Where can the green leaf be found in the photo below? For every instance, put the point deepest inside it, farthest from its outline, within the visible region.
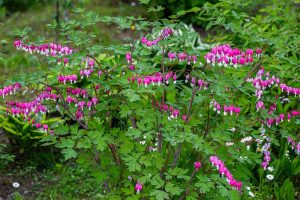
(204, 184)
(132, 162)
(134, 133)
(157, 9)
(84, 143)
(66, 143)
(159, 194)
(144, 1)
(174, 190)
(157, 182)
(69, 153)
(99, 175)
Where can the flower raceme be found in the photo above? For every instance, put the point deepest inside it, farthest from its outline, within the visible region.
(182, 57)
(289, 90)
(226, 109)
(77, 92)
(86, 72)
(64, 79)
(155, 79)
(51, 49)
(294, 147)
(281, 117)
(35, 106)
(10, 89)
(165, 33)
(173, 113)
(159, 79)
(224, 55)
(263, 81)
(216, 162)
(267, 157)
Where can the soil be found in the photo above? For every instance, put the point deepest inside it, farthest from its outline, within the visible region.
(28, 178)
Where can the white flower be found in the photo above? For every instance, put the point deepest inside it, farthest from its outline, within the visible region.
(270, 177)
(232, 129)
(270, 169)
(229, 144)
(246, 139)
(16, 184)
(247, 188)
(142, 142)
(251, 194)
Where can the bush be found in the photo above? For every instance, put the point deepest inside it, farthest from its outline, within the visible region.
(158, 118)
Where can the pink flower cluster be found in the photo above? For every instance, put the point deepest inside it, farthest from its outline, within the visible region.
(65, 61)
(10, 89)
(216, 162)
(64, 79)
(51, 49)
(289, 90)
(138, 187)
(226, 109)
(77, 92)
(272, 108)
(128, 57)
(224, 55)
(35, 106)
(81, 105)
(267, 157)
(201, 83)
(44, 126)
(173, 113)
(261, 84)
(182, 57)
(294, 147)
(25, 108)
(259, 106)
(154, 79)
(164, 34)
(281, 118)
(197, 166)
(86, 72)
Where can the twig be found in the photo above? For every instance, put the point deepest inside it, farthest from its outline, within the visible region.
(114, 153)
(160, 136)
(187, 187)
(208, 120)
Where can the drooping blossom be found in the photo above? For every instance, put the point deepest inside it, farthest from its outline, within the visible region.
(197, 166)
(216, 162)
(138, 187)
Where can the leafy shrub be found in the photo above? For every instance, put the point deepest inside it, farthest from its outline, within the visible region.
(161, 119)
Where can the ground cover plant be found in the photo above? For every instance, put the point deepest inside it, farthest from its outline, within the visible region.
(163, 116)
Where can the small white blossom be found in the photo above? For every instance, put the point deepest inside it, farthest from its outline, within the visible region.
(246, 139)
(233, 129)
(16, 184)
(270, 177)
(270, 169)
(142, 142)
(229, 144)
(251, 194)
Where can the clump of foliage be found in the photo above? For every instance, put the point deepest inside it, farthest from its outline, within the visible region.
(157, 118)
(5, 158)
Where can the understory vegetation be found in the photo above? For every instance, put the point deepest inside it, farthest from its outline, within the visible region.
(150, 100)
